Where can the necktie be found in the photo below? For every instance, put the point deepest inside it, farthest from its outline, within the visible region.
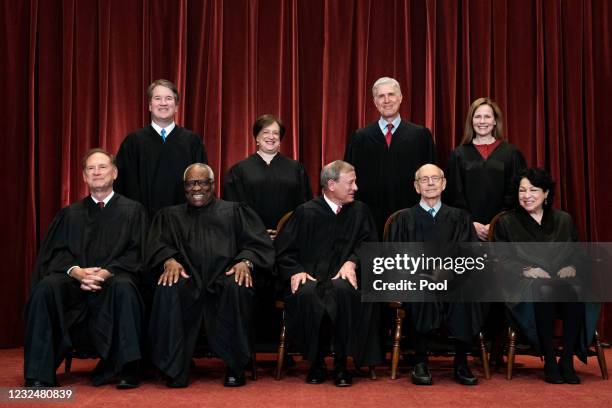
(101, 204)
(389, 134)
(431, 212)
(163, 135)
(338, 209)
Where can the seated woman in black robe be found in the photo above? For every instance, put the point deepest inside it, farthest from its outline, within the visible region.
(546, 273)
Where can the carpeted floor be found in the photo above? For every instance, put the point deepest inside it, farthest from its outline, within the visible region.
(527, 389)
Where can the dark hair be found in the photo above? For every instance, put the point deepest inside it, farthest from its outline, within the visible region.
(166, 84)
(540, 178)
(498, 130)
(267, 120)
(94, 151)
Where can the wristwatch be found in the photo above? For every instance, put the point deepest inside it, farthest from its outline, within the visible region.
(248, 263)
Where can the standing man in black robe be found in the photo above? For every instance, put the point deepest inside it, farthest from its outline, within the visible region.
(203, 254)
(84, 283)
(317, 258)
(431, 221)
(387, 153)
(152, 160)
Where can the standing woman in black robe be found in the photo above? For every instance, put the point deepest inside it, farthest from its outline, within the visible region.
(271, 184)
(545, 272)
(481, 169)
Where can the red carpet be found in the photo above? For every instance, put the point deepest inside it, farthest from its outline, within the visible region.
(527, 389)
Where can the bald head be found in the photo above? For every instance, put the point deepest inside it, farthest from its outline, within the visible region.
(429, 182)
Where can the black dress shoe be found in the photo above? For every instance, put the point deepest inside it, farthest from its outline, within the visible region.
(421, 375)
(234, 380)
(316, 374)
(128, 382)
(170, 383)
(29, 383)
(342, 378)
(464, 376)
(568, 373)
(552, 374)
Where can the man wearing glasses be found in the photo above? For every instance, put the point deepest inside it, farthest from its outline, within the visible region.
(151, 160)
(432, 222)
(202, 255)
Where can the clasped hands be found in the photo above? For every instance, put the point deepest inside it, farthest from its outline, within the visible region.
(347, 272)
(173, 270)
(535, 272)
(91, 279)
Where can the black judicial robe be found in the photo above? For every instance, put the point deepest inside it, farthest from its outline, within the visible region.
(319, 242)
(556, 226)
(483, 187)
(271, 190)
(82, 234)
(449, 226)
(207, 241)
(151, 171)
(385, 175)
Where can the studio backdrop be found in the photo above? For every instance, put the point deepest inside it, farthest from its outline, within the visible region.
(76, 71)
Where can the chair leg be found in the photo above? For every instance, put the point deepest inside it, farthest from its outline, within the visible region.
(485, 356)
(68, 362)
(372, 372)
(280, 357)
(397, 336)
(601, 357)
(253, 366)
(511, 351)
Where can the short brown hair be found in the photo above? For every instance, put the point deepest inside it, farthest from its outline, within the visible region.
(267, 120)
(94, 151)
(498, 130)
(166, 84)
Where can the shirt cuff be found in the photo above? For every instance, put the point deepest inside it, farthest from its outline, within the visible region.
(70, 270)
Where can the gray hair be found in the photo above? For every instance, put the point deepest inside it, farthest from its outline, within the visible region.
(211, 174)
(332, 171)
(416, 173)
(386, 81)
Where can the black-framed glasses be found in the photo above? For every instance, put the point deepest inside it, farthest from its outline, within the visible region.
(189, 184)
(426, 179)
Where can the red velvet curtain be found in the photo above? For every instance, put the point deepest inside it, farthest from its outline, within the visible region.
(77, 71)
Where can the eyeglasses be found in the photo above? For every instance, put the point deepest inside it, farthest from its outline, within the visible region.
(426, 179)
(189, 184)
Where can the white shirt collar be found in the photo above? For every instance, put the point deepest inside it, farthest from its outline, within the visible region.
(436, 207)
(332, 205)
(158, 128)
(382, 123)
(106, 200)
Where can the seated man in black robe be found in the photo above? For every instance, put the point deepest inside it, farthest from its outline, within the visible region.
(430, 221)
(85, 283)
(203, 254)
(317, 259)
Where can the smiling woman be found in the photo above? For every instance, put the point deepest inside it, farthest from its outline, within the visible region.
(481, 169)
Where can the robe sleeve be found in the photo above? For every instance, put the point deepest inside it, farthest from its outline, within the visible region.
(131, 260)
(287, 247)
(233, 189)
(367, 233)
(454, 194)
(254, 243)
(305, 184)
(198, 151)
(54, 255)
(516, 163)
(128, 170)
(162, 245)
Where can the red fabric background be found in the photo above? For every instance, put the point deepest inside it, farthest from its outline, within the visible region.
(76, 73)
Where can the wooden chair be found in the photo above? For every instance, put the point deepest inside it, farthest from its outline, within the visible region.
(512, 333)
(283, 344)
(400, 314)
